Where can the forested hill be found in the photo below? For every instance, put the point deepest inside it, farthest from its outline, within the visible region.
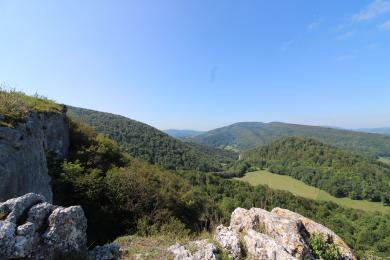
(341, 173)
(145, 142)
(248, 135)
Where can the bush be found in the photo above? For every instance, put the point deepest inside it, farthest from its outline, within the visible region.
(322, 249)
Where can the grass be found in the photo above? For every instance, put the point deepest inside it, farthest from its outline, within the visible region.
(384, 159)
(287, 183)
(154, 247)
(15, 105)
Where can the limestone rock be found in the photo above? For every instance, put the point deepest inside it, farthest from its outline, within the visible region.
(288, 233)
(194, 250)
(105, 252)
(316, 228)
(229, 241)
(23, 154)
(263, 247)
(31, 228)
(67, 230)
(15, 208)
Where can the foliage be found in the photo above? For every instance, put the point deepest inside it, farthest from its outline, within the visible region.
(298, 188)
(248, 135)
(341, 173)
(129, 196)
(15, 105)
(147, 143)
(322, 249)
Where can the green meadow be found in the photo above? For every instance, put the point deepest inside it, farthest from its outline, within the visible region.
(287, 183)
(384, 159)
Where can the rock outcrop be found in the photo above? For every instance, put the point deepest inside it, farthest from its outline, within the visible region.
(194, 250)
(31, 228)
(24, 150)
(277, 235)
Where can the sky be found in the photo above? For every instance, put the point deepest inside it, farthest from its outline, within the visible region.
(202, 64)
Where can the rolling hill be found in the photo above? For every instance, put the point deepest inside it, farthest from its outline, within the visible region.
(248, 135)
(182, 133)
(339, 172)
(148, 143)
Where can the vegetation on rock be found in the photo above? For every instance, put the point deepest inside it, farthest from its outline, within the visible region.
(14, 106)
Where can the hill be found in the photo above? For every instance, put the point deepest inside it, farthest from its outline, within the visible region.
(182, 133)
(148, 143)
(248, 135)
(380, 130)
(341, 173)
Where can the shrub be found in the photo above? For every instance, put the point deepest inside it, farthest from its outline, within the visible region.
(322, 249)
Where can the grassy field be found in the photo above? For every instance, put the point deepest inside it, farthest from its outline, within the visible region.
(287, 183)
(384, 159)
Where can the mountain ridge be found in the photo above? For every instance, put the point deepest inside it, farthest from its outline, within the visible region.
(247, 135)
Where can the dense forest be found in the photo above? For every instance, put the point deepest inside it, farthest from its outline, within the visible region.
(341, 173)
(248, 135)
(147, 143)
(131, 196)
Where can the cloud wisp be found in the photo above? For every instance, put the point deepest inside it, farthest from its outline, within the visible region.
(373, 10)
(287, 45)
(385, 26)
(346, 35)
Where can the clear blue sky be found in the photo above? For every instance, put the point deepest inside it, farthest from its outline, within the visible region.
(201, 64)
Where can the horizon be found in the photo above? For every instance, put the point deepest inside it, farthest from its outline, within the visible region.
(202, 65)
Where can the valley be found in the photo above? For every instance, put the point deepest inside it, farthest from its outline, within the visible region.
(296, 187)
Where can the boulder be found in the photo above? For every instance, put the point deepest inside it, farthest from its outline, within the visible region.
(228, 239)
(288, 233)
(31, 228)
(263, 247)
(316, 228)
(105, 252)
(194, 250)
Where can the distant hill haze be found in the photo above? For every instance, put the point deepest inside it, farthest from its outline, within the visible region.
(185, 133)
(247, 135)
(379, 130)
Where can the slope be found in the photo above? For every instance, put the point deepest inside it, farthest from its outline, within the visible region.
(147, 143)
(341, 173)
(248, 135)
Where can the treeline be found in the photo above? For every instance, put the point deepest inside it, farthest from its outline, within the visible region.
(149, 144)
(248, 135)
(122, 195)
(341, 173)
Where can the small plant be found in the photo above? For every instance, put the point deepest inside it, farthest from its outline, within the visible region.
(3, 215)
(323, 250)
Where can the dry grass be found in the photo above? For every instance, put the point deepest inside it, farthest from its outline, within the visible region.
(15, 105)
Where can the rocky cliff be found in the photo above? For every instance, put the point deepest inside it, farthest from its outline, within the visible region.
(24, 151)
(259, 234)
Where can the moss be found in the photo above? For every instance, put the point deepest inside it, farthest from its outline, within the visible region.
(15, 105)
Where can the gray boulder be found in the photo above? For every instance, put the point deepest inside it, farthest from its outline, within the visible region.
(228, 240)
(263, 247)
(105, 252)
(31, 228)
(194, 250)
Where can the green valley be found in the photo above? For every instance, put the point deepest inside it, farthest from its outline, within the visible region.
(296, 187)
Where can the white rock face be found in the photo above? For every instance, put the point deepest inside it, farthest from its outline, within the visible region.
(24, 150)
(229, 240)
(316, 228)
(263, 247)
(276, 235)
(31, 228)
(195, 250)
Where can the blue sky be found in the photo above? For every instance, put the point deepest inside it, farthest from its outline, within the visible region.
(202, 64)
